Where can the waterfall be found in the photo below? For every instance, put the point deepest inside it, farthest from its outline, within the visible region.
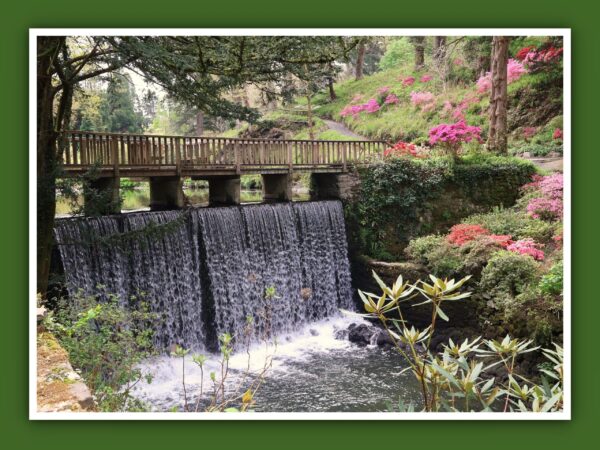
(208, 270)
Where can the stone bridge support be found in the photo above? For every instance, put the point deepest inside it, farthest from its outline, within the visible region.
(223, 190)
(101, 197)
(166, 193)
(277, 187)
(327, 186)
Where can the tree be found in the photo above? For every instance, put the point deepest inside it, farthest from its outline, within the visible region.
(360, 59)
(196, 70)
(497, 139)
(419, 44)
(118, 110)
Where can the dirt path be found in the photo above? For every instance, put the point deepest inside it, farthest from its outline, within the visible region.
(551, 164)
(343, 129)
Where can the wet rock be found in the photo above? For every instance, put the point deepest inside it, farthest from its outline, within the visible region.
(360, 334)
(313, 332)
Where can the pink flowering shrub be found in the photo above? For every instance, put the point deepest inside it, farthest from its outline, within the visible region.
(425, 78)
(354, 110)
(529, 132)
(356, 98)
(371, 106)
(515, 70)
(391, 99)
(383, 90)
(408, 81)
(558, 134)
(549, 204)
(452, 136)
(423, 100)
(527, 247)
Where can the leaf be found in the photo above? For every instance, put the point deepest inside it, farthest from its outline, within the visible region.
(550, 403)
(442, 314)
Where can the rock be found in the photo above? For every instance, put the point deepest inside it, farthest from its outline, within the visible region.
(554, 155)
(360, 334)
(384, 339)
(314, 332)
(526, 154)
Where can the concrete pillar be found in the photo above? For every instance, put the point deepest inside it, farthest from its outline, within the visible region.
(102, 197)
(224, 190)
(277, 187)
(326, 186)
(166, 193)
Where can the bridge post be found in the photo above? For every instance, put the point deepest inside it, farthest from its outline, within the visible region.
(166, 193)
(277, 187)
(101, 197)
(327, 186)
(224, 190)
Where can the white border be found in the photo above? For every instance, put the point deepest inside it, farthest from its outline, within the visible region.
(34, 33)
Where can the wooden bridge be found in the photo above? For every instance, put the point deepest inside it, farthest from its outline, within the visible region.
(138, 155)
(166, 160)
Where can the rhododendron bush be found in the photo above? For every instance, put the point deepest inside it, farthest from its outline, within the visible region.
(462, 233)
(404, 149)
(422, 99)
(408, 81)
(548, 204)
(527, 247)
(452, 136)
(515, 70)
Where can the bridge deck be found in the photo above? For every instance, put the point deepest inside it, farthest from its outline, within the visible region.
(137, 155)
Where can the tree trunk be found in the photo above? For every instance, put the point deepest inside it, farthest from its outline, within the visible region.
(497, 139)
(360, 60)
(419, 43)
(332, 95)
(309, 117)
(199, 123)
(47, 164)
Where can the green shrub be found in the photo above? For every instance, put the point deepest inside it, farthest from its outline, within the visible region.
(515, 223)
(536, 148)
(552, 282)
(434, 251)
(402, 198)
(106, 340)
(506, 276)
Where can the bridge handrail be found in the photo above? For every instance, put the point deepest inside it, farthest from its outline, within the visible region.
(82, 149)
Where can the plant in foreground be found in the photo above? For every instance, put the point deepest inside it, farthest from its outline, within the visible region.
(458, 378)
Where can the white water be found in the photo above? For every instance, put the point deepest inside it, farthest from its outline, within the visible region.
(311, 370)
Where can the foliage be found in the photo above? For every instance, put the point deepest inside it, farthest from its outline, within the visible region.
(462, 233)
(452, 136)
(513, 222)
(527, 247)
(507, 275)
(106, 340)
(399, 52)
(402, 198)
(460, 377)
(552, 282)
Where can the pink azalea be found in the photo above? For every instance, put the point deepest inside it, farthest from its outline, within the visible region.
(527, 247)
(558, 134)
(383, 90)
(425, 78)
(391, 99)
(408, 81)
(514, 70)
(422, 99)
(454, 134)
(371, 106)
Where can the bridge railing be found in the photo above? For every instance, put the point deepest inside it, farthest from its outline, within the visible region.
(82, 149)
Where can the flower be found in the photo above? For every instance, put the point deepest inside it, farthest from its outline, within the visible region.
(423, 100)
(558, 134)
(503, 240)
(529, 132)
(425, 78)
(401, 149)
(527, 247)
(454, 134)
(391, 99)
(462, 233)
(371, 106)
(514, 70)
(383, 90)
(408, 81)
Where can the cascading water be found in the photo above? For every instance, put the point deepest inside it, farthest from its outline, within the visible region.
(209, 273)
